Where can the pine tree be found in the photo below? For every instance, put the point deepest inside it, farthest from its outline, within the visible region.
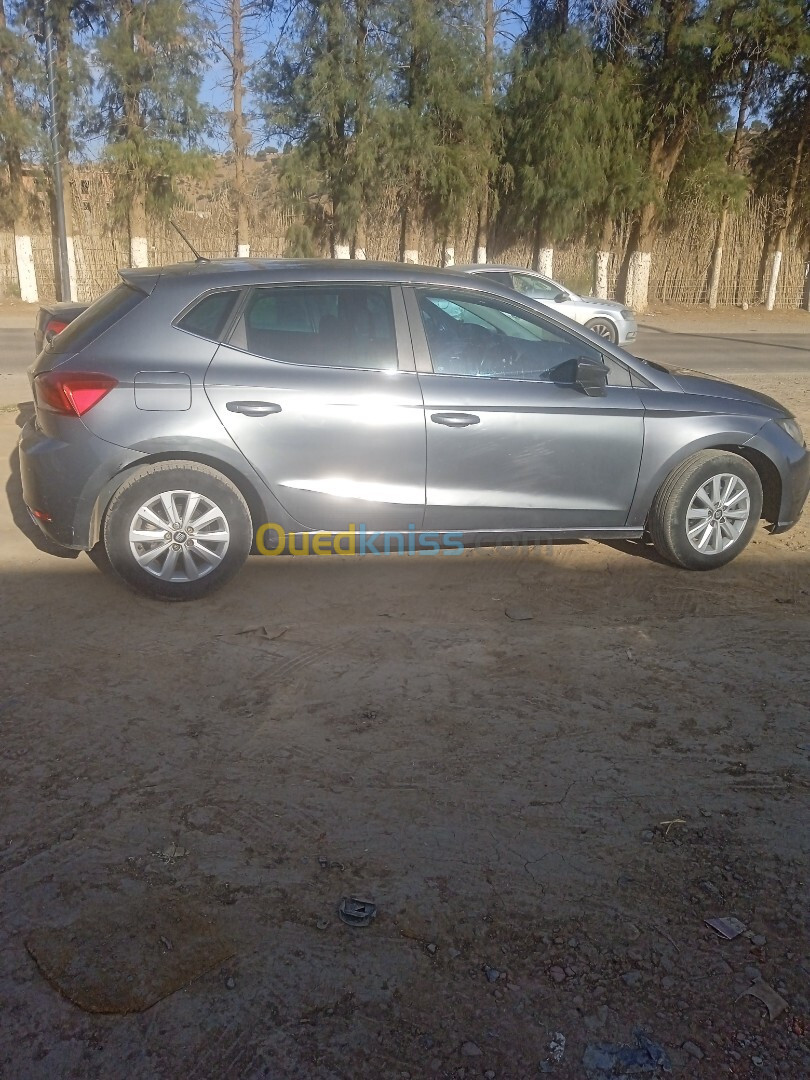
(321, 90)
(69, 20)
(443, 150)
(555, 156)
(18, 136)
(781, 166)
(150, 54)
(235, 25)
(764, 37)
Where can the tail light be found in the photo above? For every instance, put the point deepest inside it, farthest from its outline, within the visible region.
(72, 393)
(54, 327)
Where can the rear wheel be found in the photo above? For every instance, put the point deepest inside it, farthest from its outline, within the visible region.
(604, 328)
(177, 530)
(706, 511)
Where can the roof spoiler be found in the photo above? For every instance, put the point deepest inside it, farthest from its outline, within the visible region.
(143, 279)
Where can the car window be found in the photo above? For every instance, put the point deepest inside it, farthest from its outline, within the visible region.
(468, 335)
(100, 316)
(333, 326)
(536, 287)
(208, 317)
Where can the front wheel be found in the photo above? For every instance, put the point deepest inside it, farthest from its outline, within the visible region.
(605, 329)
(177, 530)
(706, 511)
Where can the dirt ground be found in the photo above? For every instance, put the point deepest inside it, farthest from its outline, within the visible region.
(546, 769)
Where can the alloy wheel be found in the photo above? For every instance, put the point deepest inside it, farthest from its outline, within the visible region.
(179, 536)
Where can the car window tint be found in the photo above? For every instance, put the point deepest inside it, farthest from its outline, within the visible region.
(470, 336)
(503, 277)
(100, 316)
(536, 287)
(618, 374)
(208, 317)
(334, 326)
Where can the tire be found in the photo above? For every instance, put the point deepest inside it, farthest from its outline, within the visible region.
(687, 499)
(208, 541)
(604, 328)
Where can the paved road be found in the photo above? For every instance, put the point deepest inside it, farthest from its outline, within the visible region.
(746, 352)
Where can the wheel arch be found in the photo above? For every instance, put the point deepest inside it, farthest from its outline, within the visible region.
(768, 474)
(767, 470)
(246, 488)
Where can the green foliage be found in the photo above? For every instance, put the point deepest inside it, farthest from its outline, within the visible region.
(19, 128)
(571, 133)
(443, 133)
(322, 91)
(151, 57)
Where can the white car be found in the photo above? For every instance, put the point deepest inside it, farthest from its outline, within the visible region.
(607, 318)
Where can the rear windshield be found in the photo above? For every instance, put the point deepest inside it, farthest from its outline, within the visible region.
(100, 316)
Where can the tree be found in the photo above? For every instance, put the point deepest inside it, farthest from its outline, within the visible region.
(764, 37)
(321, 90)
(236, 24)
(443, 151)
(676, 49)
(555, 168)
(150, 55)
(782, 166)
(70, 22)
(18, 136)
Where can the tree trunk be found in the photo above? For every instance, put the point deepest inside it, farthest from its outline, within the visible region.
(240, 138)
(138, 244)
(806, 289)
(779, 247)
(23, 253)
(717, 257)
(601, 262)
(63, 35)
(360, 239)
(485, 202)
(448, 252)
(542, 254)
(639, 259)
(408, 236)
(732, 159)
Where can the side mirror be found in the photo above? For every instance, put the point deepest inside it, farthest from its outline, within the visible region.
(590, 376)
(561, 297)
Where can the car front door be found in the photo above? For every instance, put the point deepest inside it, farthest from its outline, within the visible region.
(316, 386)
(512, 441)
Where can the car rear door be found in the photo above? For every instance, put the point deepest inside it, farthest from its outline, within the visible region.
(512, 442)
(317, 387)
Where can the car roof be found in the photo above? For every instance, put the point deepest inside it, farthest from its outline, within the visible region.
(472, 268)
(223, 272)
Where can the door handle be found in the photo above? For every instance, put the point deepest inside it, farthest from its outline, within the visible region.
(455, 419)
(253, 408)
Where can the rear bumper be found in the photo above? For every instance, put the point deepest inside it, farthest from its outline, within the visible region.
(61, 481)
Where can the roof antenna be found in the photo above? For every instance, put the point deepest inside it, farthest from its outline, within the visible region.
(199, 258)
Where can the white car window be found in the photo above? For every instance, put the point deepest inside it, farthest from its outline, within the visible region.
(536, 287)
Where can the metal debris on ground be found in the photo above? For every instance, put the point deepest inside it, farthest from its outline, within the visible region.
(557, 1046)
(774, 1002)
(727, 927)
(172, 852)
(356, 912)
(604, 1060)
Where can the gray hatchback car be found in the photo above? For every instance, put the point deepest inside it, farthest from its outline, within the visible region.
(198, 412)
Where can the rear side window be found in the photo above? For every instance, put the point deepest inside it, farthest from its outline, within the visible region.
(100, 316)
(333, 326)
(208, 317)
